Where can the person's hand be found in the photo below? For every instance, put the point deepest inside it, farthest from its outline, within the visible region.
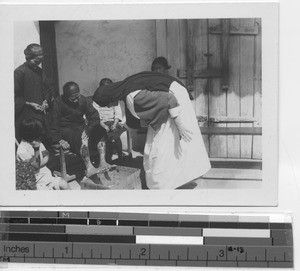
(35, 144)
(84, 136)
(64, 144)
(114, 127)
(45, 105)
(36, 106)
(106, 128)
(184, 133)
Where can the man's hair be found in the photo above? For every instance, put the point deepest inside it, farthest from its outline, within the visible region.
(67, 88)
(31, 129)
(105, 82)
(33, 50)
(161, 61)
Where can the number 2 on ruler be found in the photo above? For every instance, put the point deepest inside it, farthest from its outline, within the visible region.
(143, 252)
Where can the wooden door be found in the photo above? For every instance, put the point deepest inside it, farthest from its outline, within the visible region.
(220, 62)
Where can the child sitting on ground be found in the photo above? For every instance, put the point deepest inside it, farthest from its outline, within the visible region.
(110, 118)
(32, 150)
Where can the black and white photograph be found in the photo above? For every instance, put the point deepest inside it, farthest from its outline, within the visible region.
(169, 106)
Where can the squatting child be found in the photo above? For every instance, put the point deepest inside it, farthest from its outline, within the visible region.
(32, 150)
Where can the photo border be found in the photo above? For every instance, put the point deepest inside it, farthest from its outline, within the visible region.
(263, 193)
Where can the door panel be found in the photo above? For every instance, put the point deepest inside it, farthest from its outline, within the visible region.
(233, 93)
(216, 95)
(173, 45)
(257, 107)
(246, 84)
(201, 86)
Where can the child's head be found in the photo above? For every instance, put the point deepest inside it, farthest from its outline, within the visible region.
(160, 64)
(105, 82)
(31, 130)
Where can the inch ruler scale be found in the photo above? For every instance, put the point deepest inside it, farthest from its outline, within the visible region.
(148, 239)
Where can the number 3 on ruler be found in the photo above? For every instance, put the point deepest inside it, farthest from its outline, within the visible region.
(221, 253)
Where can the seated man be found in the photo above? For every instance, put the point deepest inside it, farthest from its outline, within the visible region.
(75, 124)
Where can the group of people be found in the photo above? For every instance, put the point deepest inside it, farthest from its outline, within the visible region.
(174, 152)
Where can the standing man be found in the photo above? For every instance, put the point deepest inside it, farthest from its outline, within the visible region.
(32, 91)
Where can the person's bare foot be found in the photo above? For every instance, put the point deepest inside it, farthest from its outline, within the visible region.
(104, 167)
(92, 171)
(89, 184)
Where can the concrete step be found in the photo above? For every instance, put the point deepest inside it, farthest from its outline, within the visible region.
(233, 174)
(236, 163)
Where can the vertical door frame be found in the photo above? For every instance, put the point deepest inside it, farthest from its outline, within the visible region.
(48, 42)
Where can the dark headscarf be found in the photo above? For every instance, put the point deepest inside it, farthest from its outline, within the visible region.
(152, 81)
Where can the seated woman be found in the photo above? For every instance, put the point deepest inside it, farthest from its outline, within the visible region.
(32, 150)
(174, 152)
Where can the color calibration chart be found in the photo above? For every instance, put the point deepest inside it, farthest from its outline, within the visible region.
(146, 239)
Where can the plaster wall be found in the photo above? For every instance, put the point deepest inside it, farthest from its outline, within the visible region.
(25, 32)
(90, 50)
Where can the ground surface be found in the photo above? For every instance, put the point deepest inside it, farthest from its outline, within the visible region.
(128, 174)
